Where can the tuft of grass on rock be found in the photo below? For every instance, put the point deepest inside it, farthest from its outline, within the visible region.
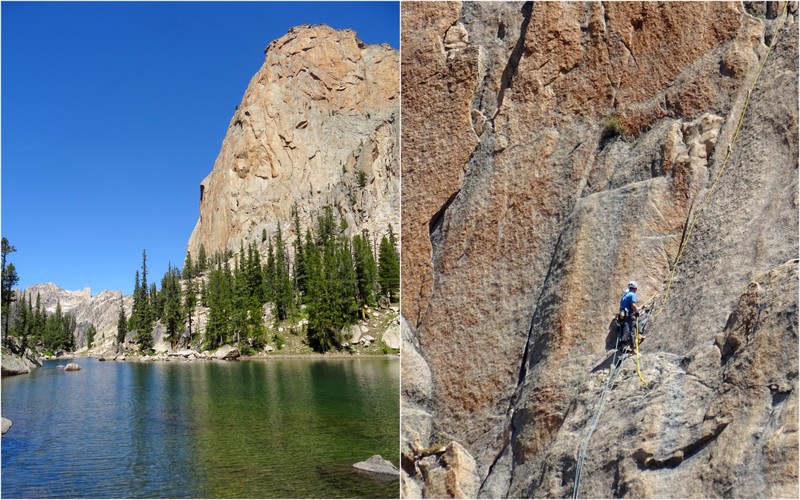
(613, 126)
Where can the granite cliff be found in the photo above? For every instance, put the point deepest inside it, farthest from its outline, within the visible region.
(552, 152)
(317, 126)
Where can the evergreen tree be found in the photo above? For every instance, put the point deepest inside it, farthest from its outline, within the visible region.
(189, 302)
(219, 304)
(22, 322)
(136, 311)
(9, 280)
(156, 302)
(201, 259)
(332, 286)
(144, 321)
(122, 324)
(269, 273)
(283, 300)
(299, 258)
(366, 269)
(188, 267)
(173, 305)
(90, 334)
(39, 318)
(239, 299)
(388, 268)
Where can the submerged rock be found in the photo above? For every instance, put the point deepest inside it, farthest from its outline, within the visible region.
(5, 424)
(378, 465)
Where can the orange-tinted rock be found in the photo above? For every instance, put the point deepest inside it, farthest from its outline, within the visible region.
(524, 218)
(318, 121)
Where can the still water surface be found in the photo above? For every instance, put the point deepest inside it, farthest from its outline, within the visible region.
(280, 428)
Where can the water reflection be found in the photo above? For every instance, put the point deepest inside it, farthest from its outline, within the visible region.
(276, 428)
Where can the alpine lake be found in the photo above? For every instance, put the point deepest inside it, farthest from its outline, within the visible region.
(275, 428)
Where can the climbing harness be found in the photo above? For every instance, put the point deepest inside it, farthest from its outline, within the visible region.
(682, 247)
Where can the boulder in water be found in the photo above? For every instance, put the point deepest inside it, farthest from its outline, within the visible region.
(227, 352)
(72, 367)
(13, 365)
(378, 465)
(6, 424)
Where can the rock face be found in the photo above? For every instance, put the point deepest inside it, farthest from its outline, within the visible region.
(101, 310)
(317, 127)
(552, 152)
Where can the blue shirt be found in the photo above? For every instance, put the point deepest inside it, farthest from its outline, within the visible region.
(626, 301)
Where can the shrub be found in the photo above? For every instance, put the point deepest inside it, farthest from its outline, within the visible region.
(613, 127)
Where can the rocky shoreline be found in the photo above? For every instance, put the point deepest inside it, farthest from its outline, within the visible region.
(225, 353)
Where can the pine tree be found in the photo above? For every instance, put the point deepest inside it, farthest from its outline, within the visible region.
(188, 267)
(144, 320)
(239, 299)
(332, 286)
(90, 334)
(39, 319)
(366, 269)
(388, 268)
(189, 302)
(269, 273)
(122, 324)
(173, 305)
(219, 304)
(201, 259)
(9, 280)
(299, 258)
(22, 322)
(136, 311)
(283, 300)
(156, 303)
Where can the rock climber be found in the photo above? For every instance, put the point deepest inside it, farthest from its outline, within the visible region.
(628, 312)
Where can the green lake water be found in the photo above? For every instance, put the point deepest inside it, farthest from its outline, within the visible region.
(278, 428)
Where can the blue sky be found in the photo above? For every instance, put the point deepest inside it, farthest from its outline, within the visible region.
(112, 114)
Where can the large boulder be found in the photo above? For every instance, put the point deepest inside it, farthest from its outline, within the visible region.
(227, 352)
(14, 365)
(391, 337)
(5, 425)
(378, 465)
(72, 367)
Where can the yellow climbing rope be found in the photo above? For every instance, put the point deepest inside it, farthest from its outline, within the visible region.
(724, 163)
(636, 350)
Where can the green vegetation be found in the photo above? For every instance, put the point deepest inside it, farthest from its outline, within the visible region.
(28, 323)
(389, 266)
(315, 289)
(9, 280)
(613, 127)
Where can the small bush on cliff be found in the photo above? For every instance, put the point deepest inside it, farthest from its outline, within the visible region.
(613, 127)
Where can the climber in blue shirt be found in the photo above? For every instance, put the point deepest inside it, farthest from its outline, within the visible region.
(628, 311)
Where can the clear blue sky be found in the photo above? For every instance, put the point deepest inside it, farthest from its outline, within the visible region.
(112, 114)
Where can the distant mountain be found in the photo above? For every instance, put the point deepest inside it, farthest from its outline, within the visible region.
(101, 310)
